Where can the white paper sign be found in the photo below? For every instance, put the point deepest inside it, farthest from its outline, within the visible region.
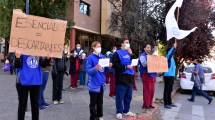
(134, 62)
(104, 62)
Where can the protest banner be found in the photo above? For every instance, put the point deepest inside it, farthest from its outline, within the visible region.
(37, 36)
(157, 63)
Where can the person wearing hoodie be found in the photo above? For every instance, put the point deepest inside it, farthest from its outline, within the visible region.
(96, 81)
(169, 77)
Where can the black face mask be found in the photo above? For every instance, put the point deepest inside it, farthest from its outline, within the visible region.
(194, 63)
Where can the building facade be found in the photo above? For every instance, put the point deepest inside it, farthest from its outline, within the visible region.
(86, 15)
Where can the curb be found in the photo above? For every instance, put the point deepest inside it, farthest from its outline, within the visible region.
(145, 116)
(150, 115)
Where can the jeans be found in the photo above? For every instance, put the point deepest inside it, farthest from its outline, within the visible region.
(123, 98)
(82, 77)
(168, 84)
(57, 85)
(200, 91)
(23, 99)
(96, 105)
(45, 78)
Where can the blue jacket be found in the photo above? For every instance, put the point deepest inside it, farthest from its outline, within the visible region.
(144, 69)
(96, 78)
(29, 70)
(171, 63)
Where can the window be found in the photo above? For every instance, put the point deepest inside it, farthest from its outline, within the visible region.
(84, 8)
(191, 69)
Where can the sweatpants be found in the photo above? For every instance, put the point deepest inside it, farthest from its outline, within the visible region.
(168, 84)
(96, 104)
(74, 80)
(148, 90)
(123, 98)
(23, 100)
(112, 85)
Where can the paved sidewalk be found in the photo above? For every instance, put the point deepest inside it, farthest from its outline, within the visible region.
(76, 101)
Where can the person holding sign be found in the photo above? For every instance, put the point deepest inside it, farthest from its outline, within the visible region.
(124, 74)
(96, 81)
(169, 78)
(147, 78)
(29, 79)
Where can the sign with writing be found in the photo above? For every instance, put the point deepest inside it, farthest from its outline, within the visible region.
(157, 63)
(134, 62)
(1, 56)
(104, 62)
(37, 36)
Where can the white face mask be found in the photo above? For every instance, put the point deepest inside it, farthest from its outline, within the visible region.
(98, 50)
(127, 46)
(78, 48)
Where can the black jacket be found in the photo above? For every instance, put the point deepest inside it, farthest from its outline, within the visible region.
(121, 79)
(59, 64)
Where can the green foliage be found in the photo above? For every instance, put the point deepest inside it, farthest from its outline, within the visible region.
(161, 49)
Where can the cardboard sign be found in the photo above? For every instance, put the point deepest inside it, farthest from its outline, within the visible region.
(104, 62)
(37, 36)
(1, 56)
(157, 63)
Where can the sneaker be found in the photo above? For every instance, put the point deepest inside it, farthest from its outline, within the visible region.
(119, 116)
(167, 107)
(42, 108)
(210, 101)
(190, 100)
(129, 114)
(152, 107)
(55, 102)
(172, 105)
(72, 88)
(46, 105)
(100, 118)
(60, 102)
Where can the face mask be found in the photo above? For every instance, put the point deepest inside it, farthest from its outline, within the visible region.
(98, 50)
(127, 46)
(194, 63)
(78, 48)
(114, 50)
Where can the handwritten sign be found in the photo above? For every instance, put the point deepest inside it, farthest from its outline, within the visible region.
(1, 56)
(104, 62)
(37, 36)
(157, 63)
(134, 62)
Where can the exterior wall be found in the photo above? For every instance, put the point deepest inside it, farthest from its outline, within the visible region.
(107, 10)
(89, 23)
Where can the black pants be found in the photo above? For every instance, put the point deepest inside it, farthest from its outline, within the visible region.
(168, 84)
(57, 86)
(23, 100)
(96, 105)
